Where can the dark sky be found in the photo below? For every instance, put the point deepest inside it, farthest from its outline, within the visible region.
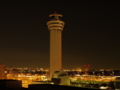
(91, 34)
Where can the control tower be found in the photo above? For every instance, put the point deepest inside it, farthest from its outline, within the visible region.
(55, 26)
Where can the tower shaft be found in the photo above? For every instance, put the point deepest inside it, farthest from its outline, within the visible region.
(55, 51)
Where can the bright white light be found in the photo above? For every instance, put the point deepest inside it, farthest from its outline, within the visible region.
(52, 83)
(102, 87)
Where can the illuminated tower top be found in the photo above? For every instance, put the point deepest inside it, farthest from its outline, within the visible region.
(55, 15)
(55, 23)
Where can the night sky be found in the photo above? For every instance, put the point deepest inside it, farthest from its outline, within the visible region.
(91, 34)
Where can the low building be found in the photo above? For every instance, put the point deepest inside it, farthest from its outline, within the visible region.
(10, 84)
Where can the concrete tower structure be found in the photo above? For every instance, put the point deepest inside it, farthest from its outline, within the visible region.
(55, 26)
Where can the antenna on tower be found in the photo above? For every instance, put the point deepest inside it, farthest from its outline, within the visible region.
(55, 14)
